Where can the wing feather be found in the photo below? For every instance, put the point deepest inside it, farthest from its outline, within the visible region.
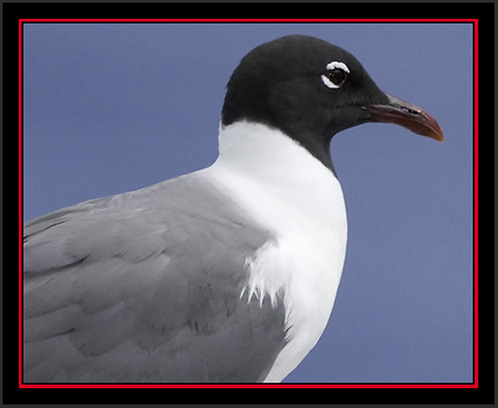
(145, 286)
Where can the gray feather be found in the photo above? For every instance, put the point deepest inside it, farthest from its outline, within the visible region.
(145, 287)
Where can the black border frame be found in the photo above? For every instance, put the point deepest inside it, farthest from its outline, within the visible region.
(484, 394)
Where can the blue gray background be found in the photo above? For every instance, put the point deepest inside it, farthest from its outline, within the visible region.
(110, 108)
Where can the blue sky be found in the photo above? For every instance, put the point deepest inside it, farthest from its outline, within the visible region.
(110, 108)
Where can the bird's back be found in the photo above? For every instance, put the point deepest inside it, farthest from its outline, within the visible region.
(145, 287)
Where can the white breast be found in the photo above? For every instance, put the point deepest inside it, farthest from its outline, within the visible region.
(300, 201)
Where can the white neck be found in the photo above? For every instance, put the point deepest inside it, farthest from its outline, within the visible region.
(270, 170)
(254, 149)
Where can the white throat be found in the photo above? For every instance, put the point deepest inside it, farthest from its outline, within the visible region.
(300, 201)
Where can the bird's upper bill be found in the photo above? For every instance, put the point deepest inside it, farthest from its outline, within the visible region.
(405, 114)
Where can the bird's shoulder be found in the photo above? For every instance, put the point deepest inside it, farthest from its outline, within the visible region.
(152, 248)
(187, 212)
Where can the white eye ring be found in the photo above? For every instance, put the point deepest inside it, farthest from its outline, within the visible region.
(331, 66)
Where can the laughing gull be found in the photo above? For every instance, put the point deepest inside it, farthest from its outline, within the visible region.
(227, 274)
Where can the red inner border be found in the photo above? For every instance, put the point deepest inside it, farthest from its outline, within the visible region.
(289, 385)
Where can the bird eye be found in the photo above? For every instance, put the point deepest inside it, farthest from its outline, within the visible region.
(336, 74)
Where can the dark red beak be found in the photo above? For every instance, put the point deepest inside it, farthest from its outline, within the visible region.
(407, 115)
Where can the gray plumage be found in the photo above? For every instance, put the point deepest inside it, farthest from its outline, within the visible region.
(145, 287)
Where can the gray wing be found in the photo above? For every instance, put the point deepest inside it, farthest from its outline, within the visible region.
(145, 287)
